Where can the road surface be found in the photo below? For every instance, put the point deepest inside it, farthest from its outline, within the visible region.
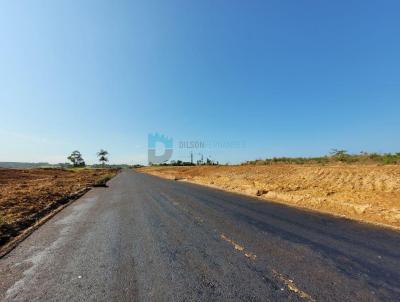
(149, 239)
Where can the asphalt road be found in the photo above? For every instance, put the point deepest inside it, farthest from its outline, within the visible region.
(149, 239)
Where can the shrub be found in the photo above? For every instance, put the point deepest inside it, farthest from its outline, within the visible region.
(102, 182)
(2, 220)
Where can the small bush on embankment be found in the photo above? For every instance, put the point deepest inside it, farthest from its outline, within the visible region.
(102, 182)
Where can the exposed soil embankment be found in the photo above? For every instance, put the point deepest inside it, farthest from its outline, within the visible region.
(28, 195)
(369, 193)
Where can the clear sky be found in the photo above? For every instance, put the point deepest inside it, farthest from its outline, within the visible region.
(286, 78)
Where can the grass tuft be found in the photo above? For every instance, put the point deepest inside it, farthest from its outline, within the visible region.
(102, 182)
(2, 220)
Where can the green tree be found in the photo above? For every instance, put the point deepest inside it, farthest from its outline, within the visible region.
(340, 155)
(102, 155)
(76, 159)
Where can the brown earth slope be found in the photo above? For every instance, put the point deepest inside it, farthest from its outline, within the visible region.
(364, 192)
(28, 195)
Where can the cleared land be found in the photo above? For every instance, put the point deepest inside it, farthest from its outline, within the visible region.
(149, 239)
(28, 195)
(368, 193)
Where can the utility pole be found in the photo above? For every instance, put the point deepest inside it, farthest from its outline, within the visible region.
(191, 157)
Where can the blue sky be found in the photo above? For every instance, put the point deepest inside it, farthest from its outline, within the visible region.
(286, 78)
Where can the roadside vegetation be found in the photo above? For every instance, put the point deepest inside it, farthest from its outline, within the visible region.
(102, 181)
(335, 156)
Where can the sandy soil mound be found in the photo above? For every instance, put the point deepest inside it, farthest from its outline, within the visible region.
(364, 192)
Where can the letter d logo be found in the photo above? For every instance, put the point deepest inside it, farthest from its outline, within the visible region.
(152, 141)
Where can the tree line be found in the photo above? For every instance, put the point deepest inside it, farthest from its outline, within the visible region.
(77, 160)
(335, 156)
